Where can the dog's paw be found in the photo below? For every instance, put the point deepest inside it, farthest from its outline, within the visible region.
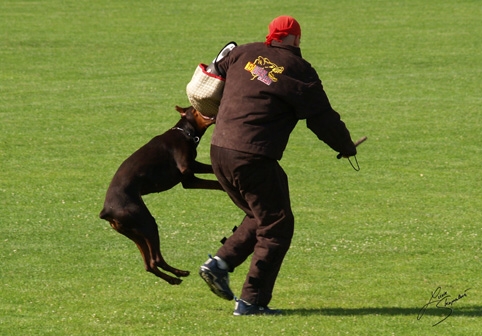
(180, 273)
(174, 281)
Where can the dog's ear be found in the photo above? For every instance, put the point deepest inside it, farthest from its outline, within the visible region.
(182, 111)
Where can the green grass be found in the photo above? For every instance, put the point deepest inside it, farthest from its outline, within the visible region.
(85, 83)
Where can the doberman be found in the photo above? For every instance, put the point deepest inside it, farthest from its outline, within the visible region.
(159, 165)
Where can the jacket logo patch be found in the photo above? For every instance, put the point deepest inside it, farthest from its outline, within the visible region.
(264, 70)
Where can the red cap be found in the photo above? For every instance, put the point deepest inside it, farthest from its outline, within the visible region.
(281, 27)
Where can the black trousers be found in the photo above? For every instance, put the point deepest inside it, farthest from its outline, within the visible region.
(258, 186)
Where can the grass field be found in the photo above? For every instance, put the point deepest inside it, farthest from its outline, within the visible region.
(85, 83)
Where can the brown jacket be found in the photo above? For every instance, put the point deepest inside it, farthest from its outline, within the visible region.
(268, 89)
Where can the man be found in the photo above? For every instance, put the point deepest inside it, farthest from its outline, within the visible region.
(269, 87)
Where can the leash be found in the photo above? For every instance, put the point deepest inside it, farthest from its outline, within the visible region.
(355, 166)
(194, 138)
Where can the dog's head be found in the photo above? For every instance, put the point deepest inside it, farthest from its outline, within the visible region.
(199, 121)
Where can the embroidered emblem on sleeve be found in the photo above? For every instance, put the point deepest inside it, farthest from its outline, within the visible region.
(264, 70)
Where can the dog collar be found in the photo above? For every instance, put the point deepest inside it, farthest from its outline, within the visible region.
(194, 138)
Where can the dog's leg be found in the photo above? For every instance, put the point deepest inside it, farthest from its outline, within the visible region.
(142, 230)
(148, 230)
(151, 236)
(150, 263)
(202, 168)
(193, 182)
(189, 181)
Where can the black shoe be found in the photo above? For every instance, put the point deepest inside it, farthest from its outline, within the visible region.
(244, 308)
(217, 279)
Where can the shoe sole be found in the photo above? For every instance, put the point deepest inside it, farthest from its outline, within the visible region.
(210, 278)
(271, 313)
(242, 309)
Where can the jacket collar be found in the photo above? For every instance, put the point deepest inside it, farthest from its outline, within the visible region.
(293, 49)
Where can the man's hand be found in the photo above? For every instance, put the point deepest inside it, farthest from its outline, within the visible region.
(359, 141)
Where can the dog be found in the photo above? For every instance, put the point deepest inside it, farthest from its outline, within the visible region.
(165, 161)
